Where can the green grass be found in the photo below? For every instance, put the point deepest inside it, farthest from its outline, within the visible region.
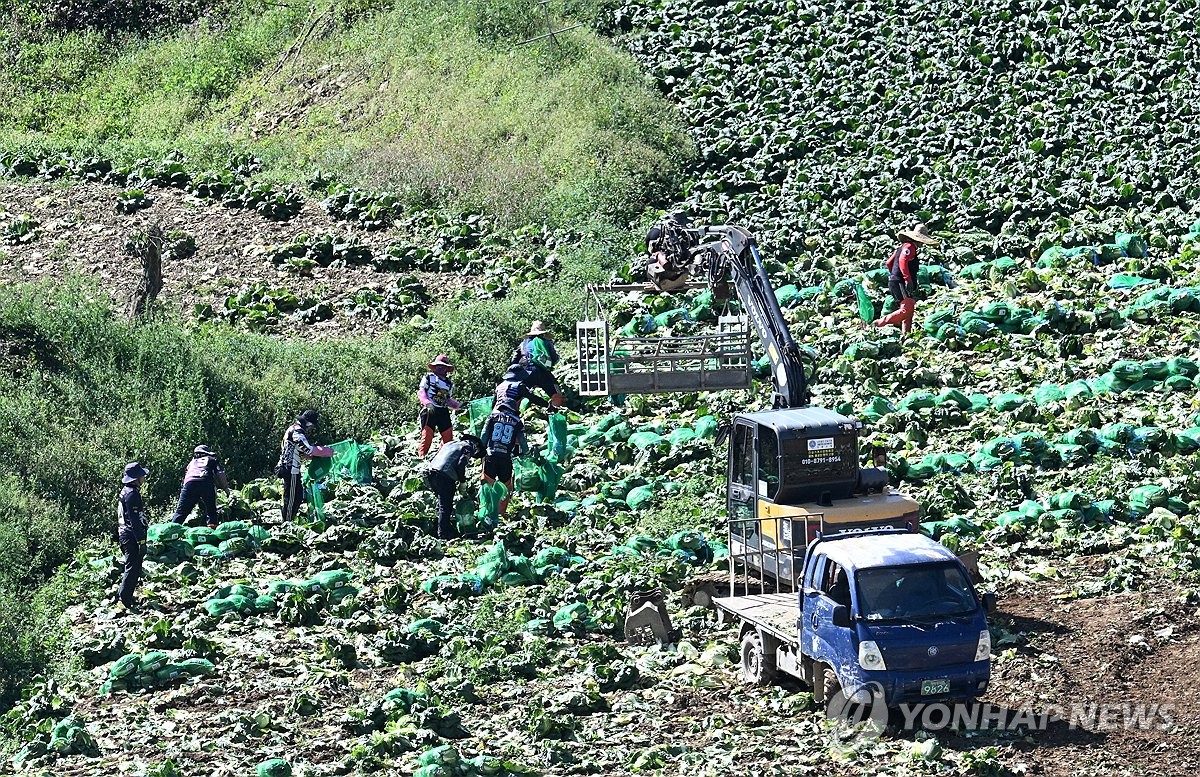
(432, 99)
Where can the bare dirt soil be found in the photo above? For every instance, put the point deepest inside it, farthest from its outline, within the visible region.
(81, 232)
(1095, 665)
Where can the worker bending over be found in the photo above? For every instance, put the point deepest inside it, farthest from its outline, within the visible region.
(445, 472)
(533, 363)
(204, 475)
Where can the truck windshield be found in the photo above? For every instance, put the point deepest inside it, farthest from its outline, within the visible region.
(920, 592)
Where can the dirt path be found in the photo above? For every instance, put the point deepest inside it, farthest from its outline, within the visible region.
(1099, 664)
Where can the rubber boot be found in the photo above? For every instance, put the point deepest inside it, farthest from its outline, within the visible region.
(426, 440)
(503, 509)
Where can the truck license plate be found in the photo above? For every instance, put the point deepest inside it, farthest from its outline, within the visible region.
(934, 687)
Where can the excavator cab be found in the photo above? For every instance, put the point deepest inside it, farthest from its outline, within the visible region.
(794, 474)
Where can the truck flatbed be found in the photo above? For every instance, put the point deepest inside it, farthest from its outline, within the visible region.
(776, 613)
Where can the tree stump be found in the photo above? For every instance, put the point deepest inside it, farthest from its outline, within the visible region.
(148, 248)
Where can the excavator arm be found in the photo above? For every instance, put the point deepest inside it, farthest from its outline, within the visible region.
(726, 254)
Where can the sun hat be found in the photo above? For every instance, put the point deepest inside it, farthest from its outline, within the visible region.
(441, 360)
(920, 234)
(133, 471)
(538, 328)
(207, 451)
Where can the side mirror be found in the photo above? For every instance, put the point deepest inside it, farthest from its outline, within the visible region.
(989, 602)
(841, 616)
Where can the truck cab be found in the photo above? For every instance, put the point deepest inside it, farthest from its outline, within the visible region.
(896, 609)
(888, 611)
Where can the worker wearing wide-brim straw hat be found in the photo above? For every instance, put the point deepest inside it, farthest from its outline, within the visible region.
(533, 362)
(903, 266)
(436, 403)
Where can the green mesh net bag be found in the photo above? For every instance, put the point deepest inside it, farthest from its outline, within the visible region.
(556, 438)
(478, 411)
(550, 475)
(349, 461)
(490, 497)
(866, 307)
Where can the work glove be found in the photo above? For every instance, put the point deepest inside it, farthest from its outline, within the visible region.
(453, 404)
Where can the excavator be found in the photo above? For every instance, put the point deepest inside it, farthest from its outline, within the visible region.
(793, 471)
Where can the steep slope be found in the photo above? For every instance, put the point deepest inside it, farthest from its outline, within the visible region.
(432, 99)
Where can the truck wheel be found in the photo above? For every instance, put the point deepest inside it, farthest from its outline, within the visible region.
(831, 686)
(758, 668)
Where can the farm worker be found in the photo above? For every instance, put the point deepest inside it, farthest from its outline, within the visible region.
(504, 437)
(536, 357)
(902, 268)
(514, 388)
(436, 403)
(445, 472)
(132, 524)
(203, 476)
(294, 448)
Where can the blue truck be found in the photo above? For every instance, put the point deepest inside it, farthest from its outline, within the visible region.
(887, 610)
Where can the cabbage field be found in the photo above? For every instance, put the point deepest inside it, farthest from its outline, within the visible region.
(1045, 412)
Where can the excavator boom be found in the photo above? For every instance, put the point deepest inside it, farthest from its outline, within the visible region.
(727, 254)
(726, 258)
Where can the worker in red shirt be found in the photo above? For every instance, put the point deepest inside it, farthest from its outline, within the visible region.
(902, 268)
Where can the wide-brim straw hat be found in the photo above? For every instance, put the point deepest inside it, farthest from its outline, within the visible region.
(919, 234)
(442, 360)
(538, 328)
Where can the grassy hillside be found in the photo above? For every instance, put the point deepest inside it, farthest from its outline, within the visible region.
(432, 99)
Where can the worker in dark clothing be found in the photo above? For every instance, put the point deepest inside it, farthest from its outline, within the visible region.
(534, 359)
(436, 403)
(445, 472)
(203, 477)
(513, 389)
(295, 448)
(902, 267)
(504, 437)
(132, 524)
(537, 348)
